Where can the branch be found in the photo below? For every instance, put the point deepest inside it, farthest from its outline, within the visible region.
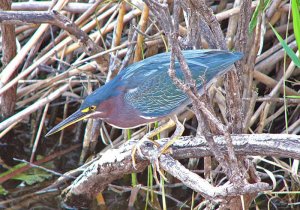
(73, 7)
(57, 19)
(114, 163)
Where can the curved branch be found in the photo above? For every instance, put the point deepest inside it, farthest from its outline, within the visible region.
(114, 163)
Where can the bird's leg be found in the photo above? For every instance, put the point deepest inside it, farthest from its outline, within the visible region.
(164, 148)
(160, 129)
(148, 137)
(177, 134)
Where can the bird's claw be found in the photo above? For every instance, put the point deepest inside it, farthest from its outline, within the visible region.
(155, 164)
(156, 168)
(137, 149)
(153, 156)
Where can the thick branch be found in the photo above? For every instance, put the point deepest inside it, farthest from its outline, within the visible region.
(116, 162)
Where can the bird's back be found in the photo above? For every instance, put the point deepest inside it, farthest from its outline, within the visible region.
(150, 90)
(198, 61)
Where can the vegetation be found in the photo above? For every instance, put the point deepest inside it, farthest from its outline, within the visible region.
(56, 53)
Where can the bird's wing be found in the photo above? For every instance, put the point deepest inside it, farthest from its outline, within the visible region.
(151, 91)
(156, 96)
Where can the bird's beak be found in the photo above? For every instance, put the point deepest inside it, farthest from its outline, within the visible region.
(75, 117)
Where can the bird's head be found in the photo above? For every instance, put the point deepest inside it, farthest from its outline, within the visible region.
(90, 107)
(84, 112)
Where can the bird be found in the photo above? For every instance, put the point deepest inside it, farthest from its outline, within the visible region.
(143, 92)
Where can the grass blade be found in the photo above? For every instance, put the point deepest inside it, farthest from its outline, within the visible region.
(288, 50)
(296, 20)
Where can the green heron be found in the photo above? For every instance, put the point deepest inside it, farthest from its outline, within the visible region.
(143, 92)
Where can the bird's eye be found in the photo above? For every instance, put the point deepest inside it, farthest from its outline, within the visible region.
(93, 108)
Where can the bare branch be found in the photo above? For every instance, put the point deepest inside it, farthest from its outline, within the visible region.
(114, 163)
(55, 18)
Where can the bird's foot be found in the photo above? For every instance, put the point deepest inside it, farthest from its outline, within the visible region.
(154, 154)
(165, 149)
(156, 168)
(148, 138)
(137, 149)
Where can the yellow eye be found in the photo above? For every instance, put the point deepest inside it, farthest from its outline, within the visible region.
(93, 108)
